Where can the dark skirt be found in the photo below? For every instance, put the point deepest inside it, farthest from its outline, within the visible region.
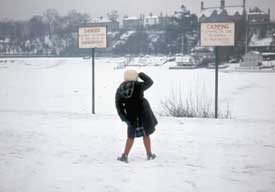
(135, 129)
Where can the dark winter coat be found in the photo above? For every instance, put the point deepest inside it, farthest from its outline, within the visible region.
(132, 106)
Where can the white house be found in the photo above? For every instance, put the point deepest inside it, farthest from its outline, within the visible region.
(111, 25)
(150, 21)
(131, 23)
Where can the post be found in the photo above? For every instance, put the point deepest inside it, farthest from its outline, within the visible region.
(91, 38)
(246, 26)
(216, 81)
(93, 80)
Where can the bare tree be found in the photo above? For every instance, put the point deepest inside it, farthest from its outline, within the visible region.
(76, 19)
(37, 27)
(51, 16)
(113, 15)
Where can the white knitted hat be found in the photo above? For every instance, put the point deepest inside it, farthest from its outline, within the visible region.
(130, 75)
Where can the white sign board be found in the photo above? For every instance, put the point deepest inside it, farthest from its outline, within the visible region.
(92, 37)
(217, 34)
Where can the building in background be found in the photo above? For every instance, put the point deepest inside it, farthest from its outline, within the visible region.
(132, 23)
(147, 22)
(262, 44)
(151, 20)
(111, 25)
(230, 13)
(257, 16)
(261, 31)
(223, 13)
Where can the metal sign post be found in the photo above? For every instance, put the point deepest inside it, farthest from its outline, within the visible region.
(217, 35)
(93, 80)
(216, 81)
(91, 38)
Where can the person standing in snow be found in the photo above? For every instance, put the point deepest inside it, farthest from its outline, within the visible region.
(135, 111)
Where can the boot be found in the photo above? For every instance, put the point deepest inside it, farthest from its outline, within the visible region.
(123, 158)
(151, 156)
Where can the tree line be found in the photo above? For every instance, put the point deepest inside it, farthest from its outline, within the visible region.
(55, 34)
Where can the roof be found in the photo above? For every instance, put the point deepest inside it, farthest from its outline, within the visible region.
(268, 54)
(101, 20)
(7, 40)
(231, 11)
(131, 18)
(257, 13)
(254, 53)
(151, 17)
(182, 12)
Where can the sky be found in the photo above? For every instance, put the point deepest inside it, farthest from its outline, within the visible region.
(25, 9)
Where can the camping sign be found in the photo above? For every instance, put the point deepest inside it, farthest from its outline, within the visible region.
(217, 34)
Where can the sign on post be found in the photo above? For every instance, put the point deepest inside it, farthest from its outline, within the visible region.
(217, 35)
(91, 38)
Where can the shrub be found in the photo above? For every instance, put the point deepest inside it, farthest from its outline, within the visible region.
(193, 105)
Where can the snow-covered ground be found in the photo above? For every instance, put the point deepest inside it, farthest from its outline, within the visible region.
(64, 85)
(49, 141)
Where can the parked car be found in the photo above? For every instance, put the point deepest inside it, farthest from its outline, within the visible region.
(185, 60)
(233, 60)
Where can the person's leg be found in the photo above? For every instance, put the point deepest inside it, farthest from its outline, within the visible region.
(147, 144)
(128, 146)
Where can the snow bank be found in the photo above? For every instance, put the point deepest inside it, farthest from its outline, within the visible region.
(123, 38)
(257, 42)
